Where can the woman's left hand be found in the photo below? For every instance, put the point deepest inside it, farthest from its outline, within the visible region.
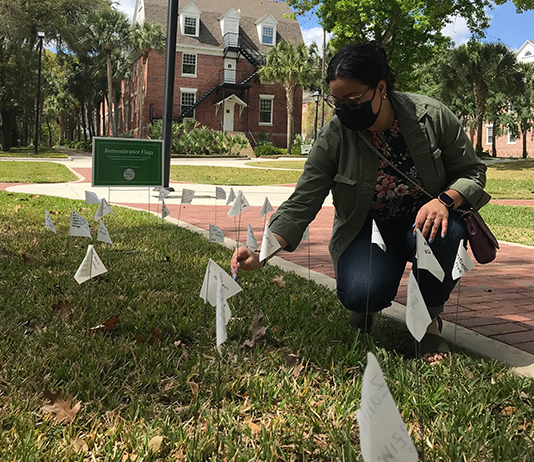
(430, 218)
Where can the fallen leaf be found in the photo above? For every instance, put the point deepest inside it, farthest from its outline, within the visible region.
(509, 410)
(194, 388)
(156, 335)
(139, 339)
(524, 395)
(254, 427)
(128, 457)
(61, 309)
(36, 196)
(279, 281)
(185, 354)
(291, 359)
(17, 207)
(257, 331)
(155, 444)
(62, 409)
(78, 445)
(108, 324)
(469, 374)
(297, 370)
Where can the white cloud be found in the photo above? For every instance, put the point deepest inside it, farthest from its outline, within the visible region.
(126, 6)
(315, 35)
(457, 30)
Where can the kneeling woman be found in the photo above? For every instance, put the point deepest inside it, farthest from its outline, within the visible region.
(378, 155)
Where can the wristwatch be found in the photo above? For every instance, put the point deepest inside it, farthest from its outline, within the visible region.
(446, 200)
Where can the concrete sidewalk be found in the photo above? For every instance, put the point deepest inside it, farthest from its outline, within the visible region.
(493, 305)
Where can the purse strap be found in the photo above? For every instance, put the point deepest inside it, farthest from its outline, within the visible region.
(373, 148)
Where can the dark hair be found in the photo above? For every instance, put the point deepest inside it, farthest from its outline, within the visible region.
(364, 61)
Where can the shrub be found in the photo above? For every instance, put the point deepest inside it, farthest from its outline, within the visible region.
(268, 150)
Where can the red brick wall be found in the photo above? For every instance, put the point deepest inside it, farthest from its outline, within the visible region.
(504, 148)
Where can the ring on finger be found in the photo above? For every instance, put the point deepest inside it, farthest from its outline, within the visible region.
(430, 219)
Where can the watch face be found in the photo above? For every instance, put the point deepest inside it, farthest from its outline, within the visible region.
(446, 199)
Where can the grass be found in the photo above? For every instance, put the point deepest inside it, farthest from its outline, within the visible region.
(44, 152)
(511, 180)
(34, 172)
(474, 409)
(510, 223)
(292, 164)
(232, 176)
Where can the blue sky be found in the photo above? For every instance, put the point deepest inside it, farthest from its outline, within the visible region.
(507, 26)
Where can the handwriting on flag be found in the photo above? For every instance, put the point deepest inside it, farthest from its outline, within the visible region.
(208, 291)
(220, 193)
(91, 198)
(187, 196)
(383, 435)
(103, 234)
(49, 224)
(231, 197)
(417, 317)
(103, 210)
(266, 207)
(91, 266)
(252, 243)
(426, 258)
(222, 315)
(463, 263)
(165, 212)
(376, 237)
(79, 226)
(269, 244)
(240, 205)
(216, 234)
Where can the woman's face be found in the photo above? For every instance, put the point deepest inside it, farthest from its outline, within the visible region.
(348, 91)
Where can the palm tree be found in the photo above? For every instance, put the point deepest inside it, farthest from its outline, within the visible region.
(293, 67)
(144, 38)
(108, 30)
(521, 105)
(481, 68)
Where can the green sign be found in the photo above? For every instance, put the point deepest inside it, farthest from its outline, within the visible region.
(127, 162)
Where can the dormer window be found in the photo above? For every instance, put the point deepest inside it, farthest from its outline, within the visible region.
(267, 30)
(190, 20)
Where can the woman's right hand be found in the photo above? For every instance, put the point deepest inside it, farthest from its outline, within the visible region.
(244, 259)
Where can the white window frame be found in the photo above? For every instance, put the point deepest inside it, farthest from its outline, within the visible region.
(263, 35)
(488, 128)
(194, 18)
(511, 137)
(185, 74)
(267, 98)
(189, 91)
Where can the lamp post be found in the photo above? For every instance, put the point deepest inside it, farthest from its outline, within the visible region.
(316, 97)
(36, 140)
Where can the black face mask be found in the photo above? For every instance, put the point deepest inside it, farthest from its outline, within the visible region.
(358, 119)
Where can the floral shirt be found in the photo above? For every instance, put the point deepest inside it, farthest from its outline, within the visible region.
(394, 195)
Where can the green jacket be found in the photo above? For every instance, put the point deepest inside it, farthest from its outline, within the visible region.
(339, 161)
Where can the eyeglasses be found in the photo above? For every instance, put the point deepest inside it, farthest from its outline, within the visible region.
(353, 102)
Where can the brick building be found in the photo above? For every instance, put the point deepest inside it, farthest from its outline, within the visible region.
(220, 47)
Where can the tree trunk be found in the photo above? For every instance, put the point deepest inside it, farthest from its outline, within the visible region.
(142, 97)
(290, 96)
(110, 94)
(481, 95)
(83, 122)
(493, 143)
(7, 143)
(525, 152)
(49, 132)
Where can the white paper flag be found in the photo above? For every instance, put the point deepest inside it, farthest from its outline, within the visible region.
(222, 315)
(91, 266)
(240, 205)
(269, 244)
(48, 222)
(91, 198)
(163, 193)
(306, 235)
(463, 263)
(417, 317)
(220, 193)
(103, 210)
(165, 212)
(103, 234)
(79, 226)
(208, 292)
(426, 258)
(376, 237)
(252, 243)
(216, 234)
(231, 197)
(187, 196)
(383, 434)
(266, 207)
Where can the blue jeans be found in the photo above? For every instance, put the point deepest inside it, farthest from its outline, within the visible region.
(368, 278)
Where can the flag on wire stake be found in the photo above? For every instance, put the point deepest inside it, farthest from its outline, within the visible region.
(376, 237)
(266, 207)
(269, 244)
(426, 258)
(222, 315)
(463, 263)
(165, 212)
(306, 235)
(417, 316)
(208, 291)
(48, 222)
(252, 243)
(240, 205)
(103, 234)
(187, 196)
(216, 234)
(383, 434)
(79, 226)
(103, 210)
(163, 193)
(91, 266)
(91, 198)
(231, 197)
(220, 193)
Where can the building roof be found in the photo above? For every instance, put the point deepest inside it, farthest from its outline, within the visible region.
(251, 12)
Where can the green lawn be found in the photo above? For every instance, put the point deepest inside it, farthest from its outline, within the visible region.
(44, 152)
(293, 164)
(263, 408)
(511, 180)
(232, 176)
(34, 172)
(510, 223)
